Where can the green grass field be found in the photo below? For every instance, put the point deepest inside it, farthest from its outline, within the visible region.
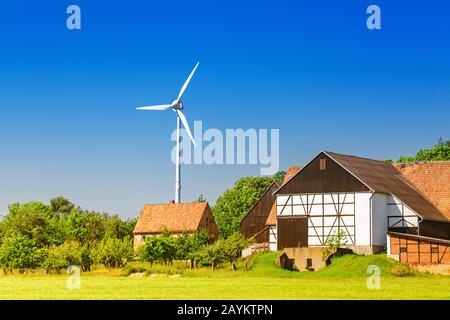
(345, 279)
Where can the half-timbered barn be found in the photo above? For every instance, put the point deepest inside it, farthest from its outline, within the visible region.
(175, 218)
(253, 224)
(371, 201)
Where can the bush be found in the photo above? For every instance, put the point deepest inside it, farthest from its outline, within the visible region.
(160, 248)
(402, 270)
(334, 242)
(20, 252)
(126, 271)
(222, 250)
(65, 255)
(113, 253)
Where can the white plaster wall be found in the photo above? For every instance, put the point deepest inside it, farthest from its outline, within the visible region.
(379, 218)
(394, 207)
(362, 218)
(272, 238)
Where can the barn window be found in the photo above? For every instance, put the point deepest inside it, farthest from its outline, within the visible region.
(434, 250)
(323, 164)
(309, 263)
(403, 249)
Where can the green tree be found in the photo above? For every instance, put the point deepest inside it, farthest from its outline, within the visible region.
(62, 256)
(201, 198)
(232, 248)
(19, 252)
(61, 206)
(149, 251)
(214, 253)
(183, 245)
(54, 259)
(334, 242)
(112, 252)
(167, 250)
(279, 176)
(61, 233)
(440, 152)
(235, 202)
(117, 228)
(33, 220)
(199, 240)
(84, 227)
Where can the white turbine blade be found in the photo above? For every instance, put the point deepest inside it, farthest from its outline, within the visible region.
(186, 126)
(187, 82)
(159, 107)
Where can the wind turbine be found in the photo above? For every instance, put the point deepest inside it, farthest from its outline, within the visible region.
(177, 106)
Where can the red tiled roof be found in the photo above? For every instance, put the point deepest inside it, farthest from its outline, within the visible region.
(175, 217)
(272, 218)
(432, 180)
(291, 172)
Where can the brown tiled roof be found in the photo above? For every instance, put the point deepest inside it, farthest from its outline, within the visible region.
(383, 177)
(175, 217)
(432, 179)
(272, 218)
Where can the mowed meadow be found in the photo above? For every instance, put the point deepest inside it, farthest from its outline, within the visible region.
(345, 278)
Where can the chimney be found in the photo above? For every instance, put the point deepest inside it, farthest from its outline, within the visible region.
(171, 201)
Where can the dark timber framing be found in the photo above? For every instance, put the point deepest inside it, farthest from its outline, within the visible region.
(338, 200)
(334, 179)
(253, 224)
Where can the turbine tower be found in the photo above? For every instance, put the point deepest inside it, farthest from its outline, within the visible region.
(177, 107)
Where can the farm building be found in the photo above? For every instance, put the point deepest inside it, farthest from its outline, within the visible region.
(260, 221)
(253, 224)
(377, 204)
(175, 218)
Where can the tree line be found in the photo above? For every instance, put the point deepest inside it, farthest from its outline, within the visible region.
(440, 152)
(193, 248)
(55, 236)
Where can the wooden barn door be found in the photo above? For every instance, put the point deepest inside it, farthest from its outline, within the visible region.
(292, 232)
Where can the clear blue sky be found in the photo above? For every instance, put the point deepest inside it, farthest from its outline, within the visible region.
(310, 68)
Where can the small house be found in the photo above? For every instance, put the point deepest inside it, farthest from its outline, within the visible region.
(175, 218)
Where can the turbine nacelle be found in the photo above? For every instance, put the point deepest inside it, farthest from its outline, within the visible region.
(177, 105)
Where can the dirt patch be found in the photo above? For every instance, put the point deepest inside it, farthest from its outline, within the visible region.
(137, 275)
(158, 275)
(443, 269)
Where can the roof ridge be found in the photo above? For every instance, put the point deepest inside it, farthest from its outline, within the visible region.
(353, 156)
